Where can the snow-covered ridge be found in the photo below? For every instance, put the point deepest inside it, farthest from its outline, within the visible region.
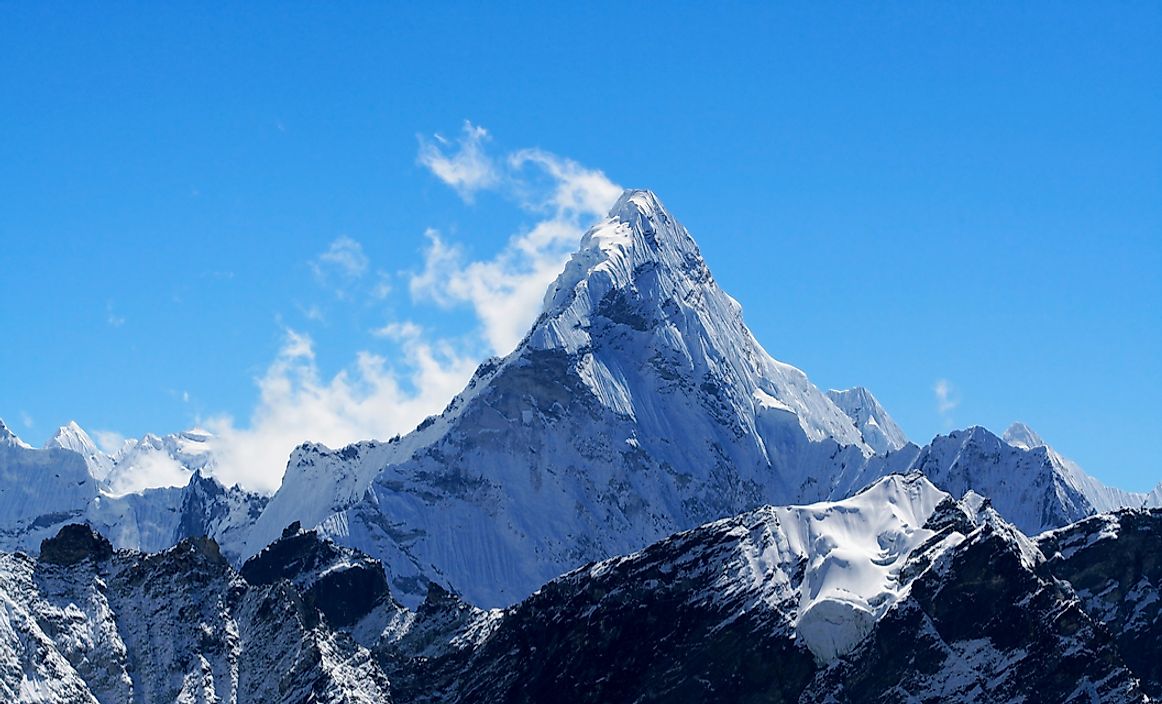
(640, 253)
(851, 553)
(1103, 498)
(638, 405)
(878, 429)
(7, 437)
(147, 495)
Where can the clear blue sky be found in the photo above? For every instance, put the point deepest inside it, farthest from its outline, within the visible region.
(897, 194)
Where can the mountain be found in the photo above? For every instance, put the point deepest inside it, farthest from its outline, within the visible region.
(1114, 561)
(70, 480)
(934, 600)
(149, 462)
(1103, 498)
(875, 426)
(40, 490)
(899, 593)
(73, 437)
(639, 404)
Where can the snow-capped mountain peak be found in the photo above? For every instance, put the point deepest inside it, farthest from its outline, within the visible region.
(877, 427)
(73, 437)
(639, 404)
(640, 270)
(7, 437)
(1020, 435)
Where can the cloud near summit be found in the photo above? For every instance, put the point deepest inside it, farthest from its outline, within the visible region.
(505, 291)
(375, 396)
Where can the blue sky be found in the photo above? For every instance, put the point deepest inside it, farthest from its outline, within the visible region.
(223, 216)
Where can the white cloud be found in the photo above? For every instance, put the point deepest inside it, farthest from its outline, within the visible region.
(312, 312)
(400, 331)
(149, 470)
(375, 398)
(382, 287)
(576, 188)
(344, 259)
(506, 290)
(297, 403)
(108, 441)
(947, 399)
(465, 168)
(26, 420)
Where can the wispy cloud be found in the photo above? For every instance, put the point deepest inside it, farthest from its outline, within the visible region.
(947, 399)
(111, 317)
(400, 331)
(149, 470)
(462, 164)
(312, 312)
(109, 441)
(343, 260)
(26, 420)
(506, 290)
(374, 397)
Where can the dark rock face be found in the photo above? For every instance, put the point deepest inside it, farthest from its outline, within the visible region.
(643, 629)
(1114, 562)
(206, 507)
(178, 625)
(982, 626)
(989, 616)
(343, 584)
(984, 621)
(75, 543)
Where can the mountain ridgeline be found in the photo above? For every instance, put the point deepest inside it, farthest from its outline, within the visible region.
(899, 593)
(638, 503)
(638, 405)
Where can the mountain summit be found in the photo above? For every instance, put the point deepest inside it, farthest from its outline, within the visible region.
(639, 404)
(638, 277)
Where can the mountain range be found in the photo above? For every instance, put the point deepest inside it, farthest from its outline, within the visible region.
(638, 503)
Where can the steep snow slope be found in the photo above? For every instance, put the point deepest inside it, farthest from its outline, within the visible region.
(73, 437)
(982, 622)
(40, 488)
(1103, 498)
(639, 404)
(876, 427)
(1031, 488)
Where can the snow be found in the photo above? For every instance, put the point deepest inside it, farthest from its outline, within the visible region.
(7, 437)
(878, 429)
(1101, 497)
(638, 405)
(177, 626)
(853, 551)
(70, 480)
